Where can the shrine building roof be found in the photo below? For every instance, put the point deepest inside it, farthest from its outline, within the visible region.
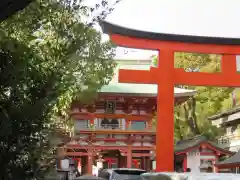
(225, 113)
(149, 90)
(185, 146)
(171, 20)
(231, 161)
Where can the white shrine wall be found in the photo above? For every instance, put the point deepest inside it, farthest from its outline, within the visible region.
(194, 160)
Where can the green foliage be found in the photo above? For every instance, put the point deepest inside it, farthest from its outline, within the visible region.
(49, 57)
(191, 116)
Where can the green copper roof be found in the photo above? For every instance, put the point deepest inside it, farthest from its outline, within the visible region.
(235, 159)
(196, 141)
(226, 113)
(141, 89)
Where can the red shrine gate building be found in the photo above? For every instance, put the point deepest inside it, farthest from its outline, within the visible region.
(117, 130)
(199, 154)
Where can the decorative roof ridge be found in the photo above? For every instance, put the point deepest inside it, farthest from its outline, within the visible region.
(200, 137)
(233, 159)
(131, 59)
(195, 141)
(225, 113)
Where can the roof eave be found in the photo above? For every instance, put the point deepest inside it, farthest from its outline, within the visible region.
(227, 165)
(223, 114)
(110, 28)
(183, 151)
(176, 95)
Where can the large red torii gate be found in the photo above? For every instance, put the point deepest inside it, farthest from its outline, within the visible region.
(166, 76)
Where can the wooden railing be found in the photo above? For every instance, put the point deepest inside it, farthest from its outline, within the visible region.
(226, 140)
(113, 127)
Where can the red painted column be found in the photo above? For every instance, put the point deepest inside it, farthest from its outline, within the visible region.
(127, 123)
(129, 157)
(143, 165)
(147, 163)
(79, 164)
(150, 124)
(215, 168)
(185, 163)
(92, 122)
(90, 162)
(165, 111)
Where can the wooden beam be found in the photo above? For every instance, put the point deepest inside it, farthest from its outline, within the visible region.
(115, 131)
(114, 139)
(78, 146)
(199, 78)
(141, 154)
(133, 42)
(131, 117)
(128, 97)
(132, 76)
(227, 166)
(76, 154)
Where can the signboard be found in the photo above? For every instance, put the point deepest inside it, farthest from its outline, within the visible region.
(65, 163)
(110, 107)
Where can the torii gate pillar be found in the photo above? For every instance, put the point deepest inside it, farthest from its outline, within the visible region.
(165, 111)
(166, 76)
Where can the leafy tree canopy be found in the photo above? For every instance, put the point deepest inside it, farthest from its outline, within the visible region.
(49, 56)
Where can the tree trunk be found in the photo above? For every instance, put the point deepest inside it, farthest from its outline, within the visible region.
(190, 116)
(194, 117)
(178, 126)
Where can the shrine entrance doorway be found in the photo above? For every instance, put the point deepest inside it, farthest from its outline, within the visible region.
(111, 159)
(110, 163)
(136, 163)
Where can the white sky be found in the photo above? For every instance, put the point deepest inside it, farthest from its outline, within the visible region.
(189, 17)
(216, 18)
